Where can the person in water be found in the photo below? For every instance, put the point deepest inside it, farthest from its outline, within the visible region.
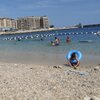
(52, 43)
(73, 61)
(68, 39)
(57, 41)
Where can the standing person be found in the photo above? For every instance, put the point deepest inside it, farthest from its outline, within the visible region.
(68, 39)
(73, 61)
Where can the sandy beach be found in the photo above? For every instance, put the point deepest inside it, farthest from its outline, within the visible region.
(29, 31)
(37, 30)
(44, 82)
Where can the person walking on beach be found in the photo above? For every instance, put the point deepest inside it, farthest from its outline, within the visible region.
(73, 61)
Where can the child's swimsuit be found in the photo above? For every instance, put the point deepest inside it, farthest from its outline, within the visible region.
(73, 61)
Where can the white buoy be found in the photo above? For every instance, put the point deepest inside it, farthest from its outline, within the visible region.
(32, 37)
(42, 36)
(65, 33)
(45, 35)
(81, 32)
(61, 33)
(86, 32)
(77, 33)
(95, 33)
(4, 38)
(26, 37)
(92, 32)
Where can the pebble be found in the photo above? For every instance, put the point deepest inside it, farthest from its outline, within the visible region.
(15, 64)
(87, 98)
(97, 68)
(91, 98)
(57, 66)
(95, 98)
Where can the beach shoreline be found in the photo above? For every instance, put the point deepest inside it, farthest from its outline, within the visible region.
(45, 58)
(37, 30)
(44, 82)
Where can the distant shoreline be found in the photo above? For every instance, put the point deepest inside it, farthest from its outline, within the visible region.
(49, 29)
(30, 31)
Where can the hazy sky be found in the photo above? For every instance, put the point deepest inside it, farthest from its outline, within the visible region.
(60, 12)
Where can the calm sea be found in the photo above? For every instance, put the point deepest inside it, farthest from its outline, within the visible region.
(35, 48)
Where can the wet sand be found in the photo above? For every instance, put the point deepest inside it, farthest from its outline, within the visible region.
(45, 82)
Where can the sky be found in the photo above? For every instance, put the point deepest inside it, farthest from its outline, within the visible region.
(61, 13)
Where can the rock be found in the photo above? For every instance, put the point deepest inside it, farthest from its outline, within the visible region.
(57, 66)
(31, 68)
(97, 68)
(15, 64)
(94, 98)
(91, 98)
(87, 98)
(54, 66)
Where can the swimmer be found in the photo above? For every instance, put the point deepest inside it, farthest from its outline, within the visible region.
(52, 43)
(57, 41)
(68, 39)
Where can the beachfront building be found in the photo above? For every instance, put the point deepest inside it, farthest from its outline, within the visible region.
(8, 24)
(32, 22)
(44, 23)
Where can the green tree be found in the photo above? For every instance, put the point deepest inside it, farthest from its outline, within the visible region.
(51, 26)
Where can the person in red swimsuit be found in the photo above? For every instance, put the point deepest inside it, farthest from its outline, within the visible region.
(68, 39)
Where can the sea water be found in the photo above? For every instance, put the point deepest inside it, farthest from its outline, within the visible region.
(35, 48)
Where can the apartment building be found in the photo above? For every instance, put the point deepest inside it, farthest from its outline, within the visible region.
(7, 24)
(44, 23)
(25, 23)
(32, 22)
